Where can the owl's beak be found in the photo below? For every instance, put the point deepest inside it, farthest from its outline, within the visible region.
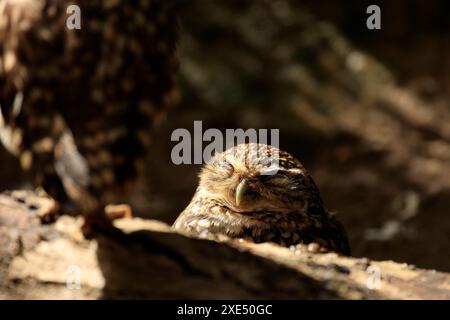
(241, 190)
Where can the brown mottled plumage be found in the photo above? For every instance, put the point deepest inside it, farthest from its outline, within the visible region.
(77, 106)
(242, 195)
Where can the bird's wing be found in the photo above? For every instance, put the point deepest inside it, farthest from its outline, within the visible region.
(28, 119)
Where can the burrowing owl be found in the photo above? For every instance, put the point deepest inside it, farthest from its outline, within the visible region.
(77, 106)
(261, 193)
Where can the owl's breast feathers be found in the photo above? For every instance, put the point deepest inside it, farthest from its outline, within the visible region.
(204, 217)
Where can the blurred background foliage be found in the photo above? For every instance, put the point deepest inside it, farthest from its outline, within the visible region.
(367, 111)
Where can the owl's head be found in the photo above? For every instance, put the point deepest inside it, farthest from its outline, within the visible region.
(254, 178)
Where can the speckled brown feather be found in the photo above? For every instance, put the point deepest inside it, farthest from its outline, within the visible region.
(284, 207)
(78, 106)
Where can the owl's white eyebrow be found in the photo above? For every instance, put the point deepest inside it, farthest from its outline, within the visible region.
(269, 171)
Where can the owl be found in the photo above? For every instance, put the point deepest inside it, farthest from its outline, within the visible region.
(260, 193)
(78, 104)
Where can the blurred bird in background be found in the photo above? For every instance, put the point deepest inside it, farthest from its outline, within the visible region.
(78, 106)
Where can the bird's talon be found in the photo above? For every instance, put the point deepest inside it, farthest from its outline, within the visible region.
(313, 247)
(118, 211)
(37, 203)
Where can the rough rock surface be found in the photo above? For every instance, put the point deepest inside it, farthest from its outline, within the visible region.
(150, 261)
